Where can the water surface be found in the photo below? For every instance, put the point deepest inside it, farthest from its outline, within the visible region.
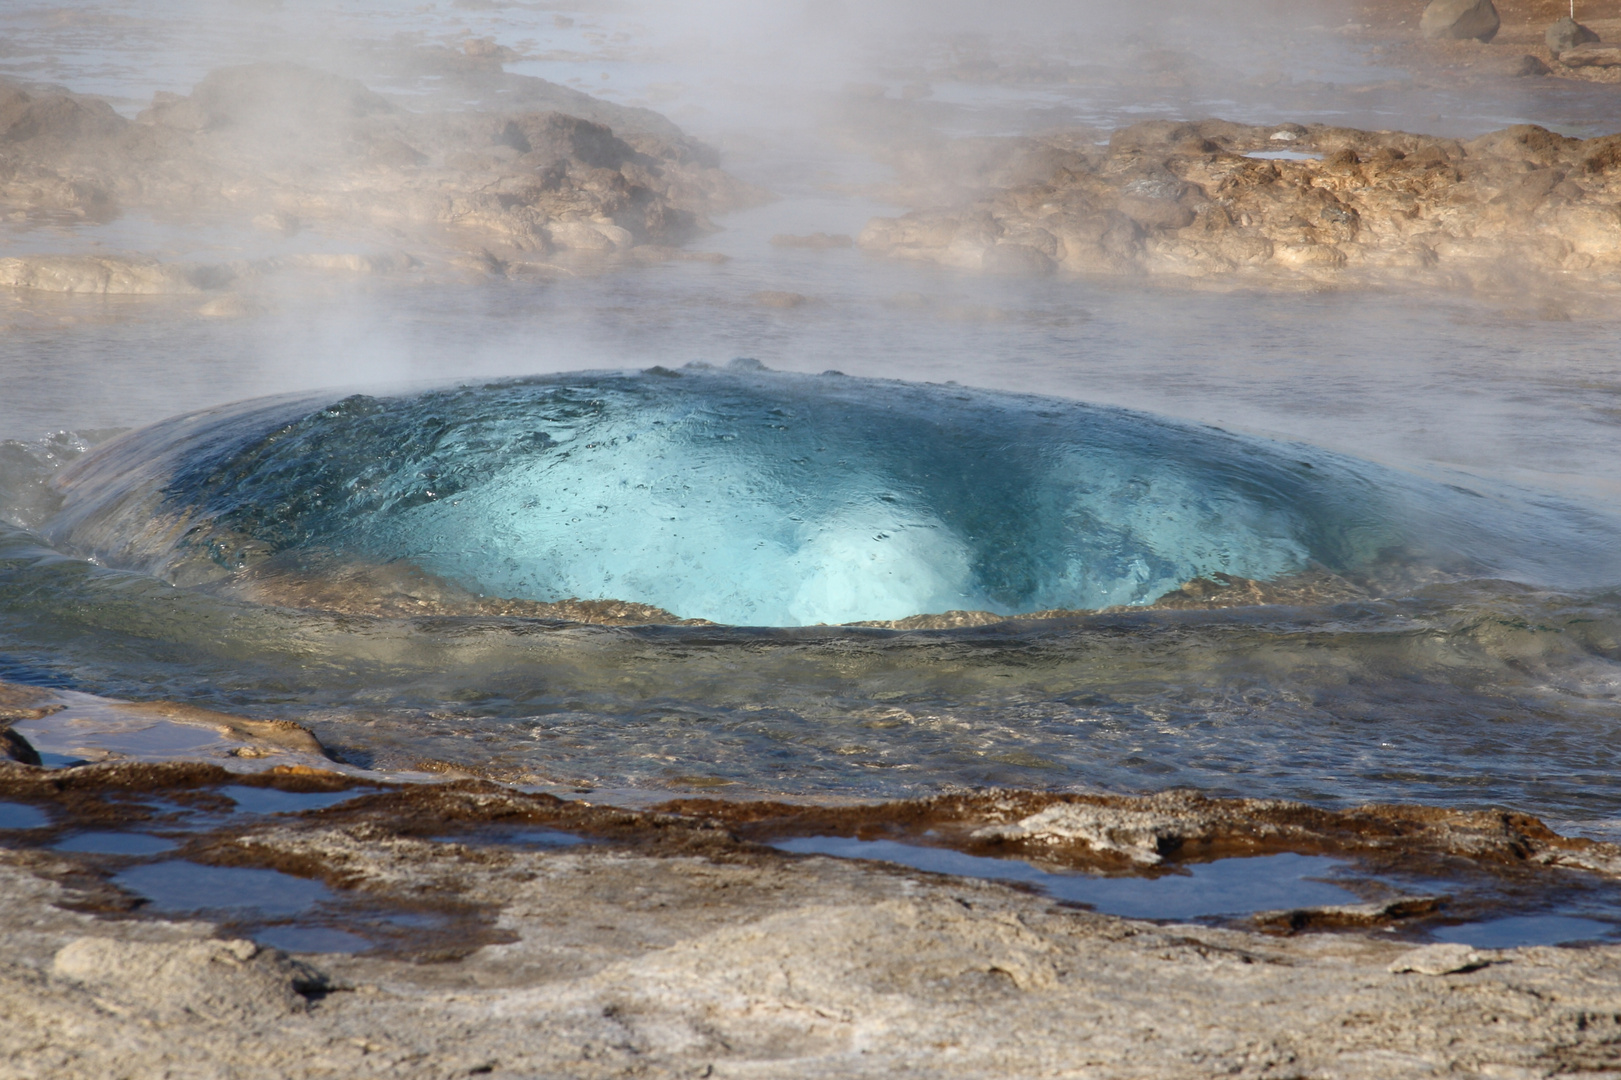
(1466, 466)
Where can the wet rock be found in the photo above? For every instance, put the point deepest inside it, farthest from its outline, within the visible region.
(1378, 913)
(17, 748)
(278, 222)
(280, 734)
(1460, 19)
(488, 50)
(1141, 836)
(1110, 831)
(348, 262)
(56, 119)
(1566, 34)
(263, 737)
(19, 702)
(1155, 202)
(398, 589)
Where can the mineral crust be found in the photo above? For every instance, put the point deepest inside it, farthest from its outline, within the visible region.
(669, 946)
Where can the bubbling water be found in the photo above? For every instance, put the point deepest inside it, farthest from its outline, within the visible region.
(742, 496)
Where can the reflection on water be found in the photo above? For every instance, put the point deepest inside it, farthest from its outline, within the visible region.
(1223, 887)
(18, 816)
(1515, 931)
(1273, 883)
(179, 887)
(312, 939)
(264, 800)
(115, 843)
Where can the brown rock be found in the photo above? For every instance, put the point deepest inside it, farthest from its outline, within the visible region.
(1460, 19)
(1566, 34)
(1593, 54)
(281, 143)
(1017, 260)
(1186, 200)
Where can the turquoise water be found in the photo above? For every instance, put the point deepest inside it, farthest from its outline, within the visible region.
(757, 498)
(1465, 463)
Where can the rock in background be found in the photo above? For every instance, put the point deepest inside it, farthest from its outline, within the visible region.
(288, 148)
(1460, 19)
(1229, 203)
(1566, 34)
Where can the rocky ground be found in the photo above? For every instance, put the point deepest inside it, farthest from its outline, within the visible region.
(282, 148)
(1519, 207)
(555, 180)
(1282, 205)
(673, 944)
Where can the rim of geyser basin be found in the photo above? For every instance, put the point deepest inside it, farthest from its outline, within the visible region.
(131, 466)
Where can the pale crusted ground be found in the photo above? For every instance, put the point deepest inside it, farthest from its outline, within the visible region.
(630, 965)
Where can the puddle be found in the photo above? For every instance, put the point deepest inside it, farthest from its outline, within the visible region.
(312, 939)
(1517, 930)
(1283, 155)
(257, 800)
(90, 729)
(524, 838)
(287, 912)
(94, 729)
(60, 761)
(1224, 887)
(1562, 909)
(177, 887)
(116, 843)
(19, 816)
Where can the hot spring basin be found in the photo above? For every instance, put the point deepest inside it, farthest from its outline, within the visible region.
(744, 496)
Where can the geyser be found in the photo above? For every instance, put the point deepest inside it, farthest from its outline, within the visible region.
(740, 495)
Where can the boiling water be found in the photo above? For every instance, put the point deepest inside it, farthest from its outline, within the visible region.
(1455, 465)
(770, 500)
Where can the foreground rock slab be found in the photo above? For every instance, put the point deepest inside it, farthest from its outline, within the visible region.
(672, 947)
